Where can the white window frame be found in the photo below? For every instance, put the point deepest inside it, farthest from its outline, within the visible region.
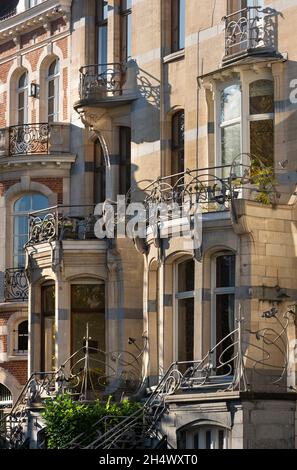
(56, 97)
(245, 78)
(25, 91)
(177, 296)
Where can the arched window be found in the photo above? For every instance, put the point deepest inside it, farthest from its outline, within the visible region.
(22, 337)
(261, 117)
(22, 99)
(53, 91)
(5, 400)
(207, 437)
(178, 143)
(22, 208)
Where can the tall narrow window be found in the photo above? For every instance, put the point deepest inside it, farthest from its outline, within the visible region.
(261, 117)
(102, 34)
(125, 160)
(184, 321)
(47, 340)
(33, 3)
(22, 93)
(178, 17)
(230, 125)
(126, 29)
(224, 321)
(99, 174)
(178, 143)
(53, 91)
(22, 209)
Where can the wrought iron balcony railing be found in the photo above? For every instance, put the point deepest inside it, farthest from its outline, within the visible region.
(250, 30)
(101, 81)
(8, 14)
(29, 139)
(16, 287)
(214, 189)
(35, 139)
(62, 223)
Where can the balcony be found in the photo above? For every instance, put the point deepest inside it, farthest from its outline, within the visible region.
(16, 287)
(251, 32)
(62, 223)
(34, 139)
(107, 85)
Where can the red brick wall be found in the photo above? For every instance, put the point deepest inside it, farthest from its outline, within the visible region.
(33, 57)
(54, 184)
(3, 340)
(63, 45)
(19, 369)
(33, 37)
(6, 49)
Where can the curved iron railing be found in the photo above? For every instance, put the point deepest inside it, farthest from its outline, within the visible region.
(16, 286)
(29, 139)
(248, 29)
(61, 223)
(101, 81)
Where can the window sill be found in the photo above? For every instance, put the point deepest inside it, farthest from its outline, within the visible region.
(18, 357)
(178, 55)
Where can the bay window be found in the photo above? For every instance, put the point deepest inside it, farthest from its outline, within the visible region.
(245, 112)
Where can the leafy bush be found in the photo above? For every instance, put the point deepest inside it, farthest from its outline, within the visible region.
(66, 419)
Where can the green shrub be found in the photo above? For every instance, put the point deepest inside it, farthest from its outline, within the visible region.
(66, 419)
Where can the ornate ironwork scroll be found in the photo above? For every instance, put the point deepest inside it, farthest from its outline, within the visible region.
(16, 287)
(248, 29)
(29, 139)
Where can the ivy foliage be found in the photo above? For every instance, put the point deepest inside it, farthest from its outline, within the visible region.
(65, 419)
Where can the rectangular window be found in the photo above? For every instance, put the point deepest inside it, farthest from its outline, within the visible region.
(125, 160)
(230, 125)
(102, 34)
(99, 174)
(185, 307)
(88, 308)
(224, 305)
(178, 17)
(126, 30)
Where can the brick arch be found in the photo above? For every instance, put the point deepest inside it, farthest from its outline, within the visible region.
(25, 187)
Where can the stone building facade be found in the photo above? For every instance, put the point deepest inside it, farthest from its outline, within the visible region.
(188, 102)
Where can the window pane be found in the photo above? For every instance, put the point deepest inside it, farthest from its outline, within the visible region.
(21, 100)
(39, 202)
(262, 141)
(231, 144)
(186, 330)
(208, 440)
(88, 298)
(225, 270)
(54, 68)
(225, 324)
(23, 204)
(102, 45)
(186, 276)
(261, 97)
(129, 36)
(23, 81)
(231, 103)
(182, 20)
(23, 336)
(48, 300)
(221, 439)
(21, 225)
